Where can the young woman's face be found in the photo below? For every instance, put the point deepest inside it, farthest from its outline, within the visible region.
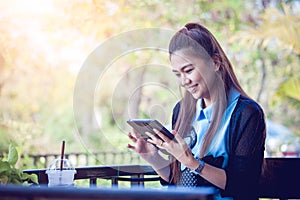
(194, 73)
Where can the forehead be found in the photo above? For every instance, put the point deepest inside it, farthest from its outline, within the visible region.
(183, 58)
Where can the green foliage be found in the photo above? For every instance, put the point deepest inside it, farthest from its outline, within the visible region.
(290, 89)
(269, 54)
(283, 26)
(21, 134)
(293, 88)
(9, 174)
(37, 81)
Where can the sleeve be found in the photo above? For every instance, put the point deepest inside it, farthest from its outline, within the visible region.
(175, 114)
(165, 183)
(246, 152)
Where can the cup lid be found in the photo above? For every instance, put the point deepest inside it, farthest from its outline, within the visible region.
(57, 163)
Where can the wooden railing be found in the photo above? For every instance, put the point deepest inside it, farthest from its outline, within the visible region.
(86, 159)
(280, 179)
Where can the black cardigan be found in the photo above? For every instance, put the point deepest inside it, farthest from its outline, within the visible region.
(246, 141)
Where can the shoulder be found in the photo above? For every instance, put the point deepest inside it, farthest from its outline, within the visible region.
(247, 113)
(247, 106)
(176, 108)
(247, 126)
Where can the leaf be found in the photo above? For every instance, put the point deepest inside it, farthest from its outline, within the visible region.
(11, 175)
(16, 180)
(25, 183)
(16, 173)
(25, 176)
(4, 167)
(32, 177)
(12, 155)
(290, 88)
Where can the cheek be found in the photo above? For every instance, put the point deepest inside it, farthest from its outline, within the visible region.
(179, 81)
(197, 77)
(210, 79)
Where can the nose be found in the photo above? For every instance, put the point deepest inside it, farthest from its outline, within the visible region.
(184, 80)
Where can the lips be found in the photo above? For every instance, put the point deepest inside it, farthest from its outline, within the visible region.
(192, 89)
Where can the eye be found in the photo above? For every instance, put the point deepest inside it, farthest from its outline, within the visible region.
(188, 71)
(177, 74)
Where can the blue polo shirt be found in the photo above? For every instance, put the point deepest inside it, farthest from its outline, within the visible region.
(201, 123)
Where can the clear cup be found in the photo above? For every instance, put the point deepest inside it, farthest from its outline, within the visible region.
(58, 176)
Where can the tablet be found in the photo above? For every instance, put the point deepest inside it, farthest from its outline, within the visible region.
(147, 125)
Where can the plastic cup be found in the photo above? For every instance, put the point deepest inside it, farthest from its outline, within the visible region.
(60, 176)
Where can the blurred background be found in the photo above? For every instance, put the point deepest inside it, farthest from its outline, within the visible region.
(45, 43)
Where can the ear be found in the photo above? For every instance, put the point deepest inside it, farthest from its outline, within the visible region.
(217, 62)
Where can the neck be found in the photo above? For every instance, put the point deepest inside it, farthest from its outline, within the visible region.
(205, 102)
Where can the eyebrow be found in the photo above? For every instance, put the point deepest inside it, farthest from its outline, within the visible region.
(184, 66)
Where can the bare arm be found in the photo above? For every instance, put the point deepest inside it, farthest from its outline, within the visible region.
(216, 176)
(161, 166)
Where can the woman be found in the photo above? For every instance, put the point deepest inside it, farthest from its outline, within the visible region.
(219, 131)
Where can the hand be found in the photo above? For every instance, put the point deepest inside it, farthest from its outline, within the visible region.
(146, 150)
(176, 147)
(149, 153)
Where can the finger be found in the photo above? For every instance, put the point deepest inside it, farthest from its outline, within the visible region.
(130, 146)
(159, 144)
(160, 147)
(151, 141)
(154, 140)
(131, 137)
(163, 145)
(151, 136)
(162, 136)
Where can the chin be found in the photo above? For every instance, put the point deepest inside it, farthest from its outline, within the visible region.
(196, 96)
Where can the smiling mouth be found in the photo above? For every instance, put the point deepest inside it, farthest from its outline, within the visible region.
(193, 88)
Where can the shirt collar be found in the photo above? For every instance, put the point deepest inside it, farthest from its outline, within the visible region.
(233, 95)
(206, 113)
(203, 113)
